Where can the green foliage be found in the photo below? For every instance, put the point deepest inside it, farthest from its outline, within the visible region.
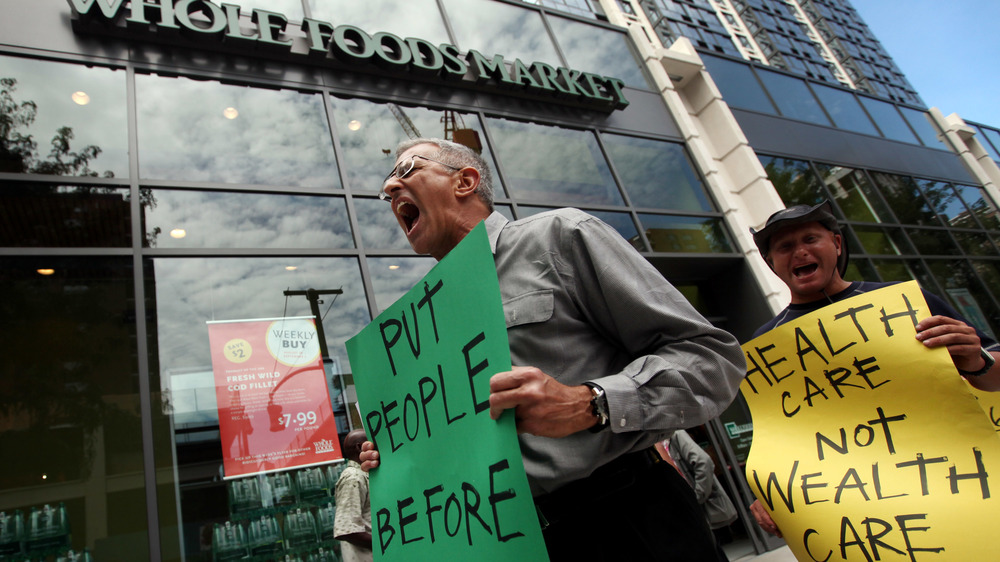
(19, 151)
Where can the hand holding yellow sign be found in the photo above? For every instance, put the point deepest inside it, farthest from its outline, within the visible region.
(868, 445)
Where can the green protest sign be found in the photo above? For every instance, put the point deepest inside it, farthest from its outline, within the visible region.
(451, 484)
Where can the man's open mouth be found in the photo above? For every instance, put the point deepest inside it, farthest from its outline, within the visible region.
(804, 270)
(409, 213)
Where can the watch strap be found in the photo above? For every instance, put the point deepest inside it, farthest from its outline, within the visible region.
(987, 358)
(599, 407)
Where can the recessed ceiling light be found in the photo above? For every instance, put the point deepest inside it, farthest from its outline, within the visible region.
(230, 113)
(81, 98)
(45, 271)
(178, 233)
(291, 267)
(354, 125)
(393, 267)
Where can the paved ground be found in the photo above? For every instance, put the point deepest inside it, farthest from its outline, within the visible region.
(782, 554)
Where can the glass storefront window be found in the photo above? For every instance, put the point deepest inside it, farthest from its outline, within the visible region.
(974, 243)
(991, 141)
(182, 295)
(505, 210)
(599, 50)
(889, 120)
(403, 18)
(379, 229)
(552, 164)
(738, 84)
(904, 270)
(860, 269)
(62, 119)
(960, 283)
(68, 216)
(989, 272)
(496, 28)
(793, 97)
(946, 202)
(794, 181)
(844, 109)
(392, 277)
(656, 174)
(189, 292)
(854, 194)
(980, 204)
(71, 429)
(219, 219)
(932, 242)
(622, 222)
(685, 234)
(369, 133)
(882, 241)
(292, 9)
(582, 8)
(905, 199)
(923, 275)
(204, 131)
(921, 123)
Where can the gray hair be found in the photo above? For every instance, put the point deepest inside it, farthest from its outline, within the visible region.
(458, 156)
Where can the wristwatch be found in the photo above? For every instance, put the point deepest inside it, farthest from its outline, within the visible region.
(987, 357)
(599, 407)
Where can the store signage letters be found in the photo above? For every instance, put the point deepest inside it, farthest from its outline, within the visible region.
(351, 45)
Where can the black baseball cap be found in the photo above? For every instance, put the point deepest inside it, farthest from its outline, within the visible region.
(799, 214)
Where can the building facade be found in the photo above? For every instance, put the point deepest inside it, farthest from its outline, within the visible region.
(825, 40)
(167, 164)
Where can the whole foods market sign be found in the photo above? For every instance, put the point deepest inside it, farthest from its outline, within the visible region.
(201, 21)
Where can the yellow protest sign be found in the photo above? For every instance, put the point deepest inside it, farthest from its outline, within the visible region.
(990, 403)
(867, 445)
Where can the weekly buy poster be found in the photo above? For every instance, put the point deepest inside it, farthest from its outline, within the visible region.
(271, 389)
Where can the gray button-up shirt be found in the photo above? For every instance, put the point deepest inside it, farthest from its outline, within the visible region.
(582, 305)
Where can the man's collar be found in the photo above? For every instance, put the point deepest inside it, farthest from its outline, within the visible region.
(495, 223)
(825, 299)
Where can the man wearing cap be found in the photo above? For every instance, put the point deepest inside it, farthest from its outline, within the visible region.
(609, 359)
(805, 248)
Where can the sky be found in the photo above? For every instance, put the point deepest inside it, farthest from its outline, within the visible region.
(947, 50)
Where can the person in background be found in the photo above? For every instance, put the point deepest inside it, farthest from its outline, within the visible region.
(805, 248)
(698, 468)
(609, 359)
(353, 521)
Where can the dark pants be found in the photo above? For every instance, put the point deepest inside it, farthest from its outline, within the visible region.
(636, 509)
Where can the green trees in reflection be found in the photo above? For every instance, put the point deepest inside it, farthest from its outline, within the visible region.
(19, 154)
(19, 151)
(794, 181)
(67, 385)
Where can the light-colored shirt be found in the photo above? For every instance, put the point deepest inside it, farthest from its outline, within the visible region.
(582, 305)
(354, 512)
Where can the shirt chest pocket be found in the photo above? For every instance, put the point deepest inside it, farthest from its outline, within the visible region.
(529, 308)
